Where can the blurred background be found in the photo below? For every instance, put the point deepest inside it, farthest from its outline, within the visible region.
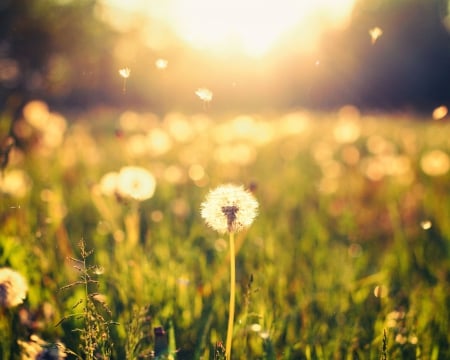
(252, 55)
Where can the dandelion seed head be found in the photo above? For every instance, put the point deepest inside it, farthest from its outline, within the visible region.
(13, 288)
(229, 208)
(136, 183)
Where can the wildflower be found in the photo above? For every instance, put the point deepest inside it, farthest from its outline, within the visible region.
(13, 288)
(37, 348)
(136, 183)
(229, 208)
(204, 94)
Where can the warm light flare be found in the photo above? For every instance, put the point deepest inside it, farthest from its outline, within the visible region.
(254, 26)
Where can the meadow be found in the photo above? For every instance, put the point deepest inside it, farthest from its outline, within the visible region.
(348, 257)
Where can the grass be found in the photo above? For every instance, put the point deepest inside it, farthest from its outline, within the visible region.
(347, 259)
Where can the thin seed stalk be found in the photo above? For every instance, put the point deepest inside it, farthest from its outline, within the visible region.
(232, 297)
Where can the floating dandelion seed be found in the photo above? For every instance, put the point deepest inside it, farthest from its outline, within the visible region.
(204, 94)
(161, 64)
(13, 288)
(375, 33)
(229, 208)
(125, 74)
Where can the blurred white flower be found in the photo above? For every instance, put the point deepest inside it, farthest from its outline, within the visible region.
(136, 183)
(13, 288)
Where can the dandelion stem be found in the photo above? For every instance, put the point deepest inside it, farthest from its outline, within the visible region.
(232, 297)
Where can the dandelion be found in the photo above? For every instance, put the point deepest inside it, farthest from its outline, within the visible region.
(229, 208)
(136, 183)
(13, 288)
(375, 33)
(125, 74)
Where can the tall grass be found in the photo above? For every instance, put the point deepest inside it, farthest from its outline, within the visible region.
(348, 257)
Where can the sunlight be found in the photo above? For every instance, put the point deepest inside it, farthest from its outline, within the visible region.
(254, 26)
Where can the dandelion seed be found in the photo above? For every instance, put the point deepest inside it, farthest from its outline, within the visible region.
(375, 34)
(161, 64)
(204, 94)
(125, 74)
(13, 288)
(229, 208)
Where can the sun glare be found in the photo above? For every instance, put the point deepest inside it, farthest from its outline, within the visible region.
(254, 26)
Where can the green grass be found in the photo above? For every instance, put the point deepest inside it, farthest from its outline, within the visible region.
(326, 236)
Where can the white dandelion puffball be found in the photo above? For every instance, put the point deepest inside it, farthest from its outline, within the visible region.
(136, 183)
(229, 208)
(13, 288)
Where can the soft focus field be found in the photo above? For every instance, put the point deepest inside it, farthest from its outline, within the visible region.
(351, 241)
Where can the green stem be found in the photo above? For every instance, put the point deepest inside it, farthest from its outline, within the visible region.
(232, 297)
